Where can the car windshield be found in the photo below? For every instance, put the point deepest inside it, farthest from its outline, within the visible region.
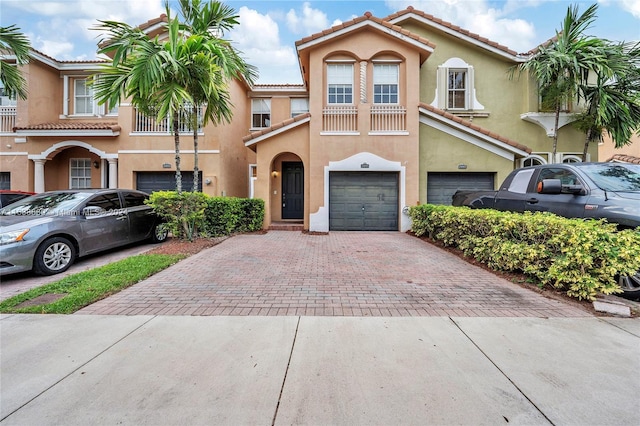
(615, 177)
(47, 204)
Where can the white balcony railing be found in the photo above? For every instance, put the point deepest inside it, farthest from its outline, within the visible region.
(388, 118)
(144, 124)
(337, 119)
(7, 118)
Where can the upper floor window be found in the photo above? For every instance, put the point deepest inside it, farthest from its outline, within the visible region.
(340, 83)
(299, 106)
(455, 86)
(260, 113)
(385, 83)
(80, 173)
(82, 97)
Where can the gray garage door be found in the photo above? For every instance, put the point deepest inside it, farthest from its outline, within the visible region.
(164, 181)
(442, 186)
(363, 201)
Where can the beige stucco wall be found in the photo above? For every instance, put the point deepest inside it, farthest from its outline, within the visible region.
(607, 149)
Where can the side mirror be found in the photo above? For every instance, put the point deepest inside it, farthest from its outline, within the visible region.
(550, 186)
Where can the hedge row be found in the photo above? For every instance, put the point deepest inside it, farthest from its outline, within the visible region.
(581, 257)
(191, 214)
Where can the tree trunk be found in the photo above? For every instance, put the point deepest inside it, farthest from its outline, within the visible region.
(194, 124)
(586, 146)
(555, 132)
(176, 139)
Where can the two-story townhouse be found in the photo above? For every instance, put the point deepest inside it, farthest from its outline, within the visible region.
(393, 112)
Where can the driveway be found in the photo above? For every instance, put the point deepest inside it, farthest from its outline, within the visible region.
(338, 274)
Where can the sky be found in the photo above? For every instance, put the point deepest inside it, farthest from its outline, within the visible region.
(268, 29)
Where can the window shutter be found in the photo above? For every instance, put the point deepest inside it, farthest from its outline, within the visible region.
(442, 87)
(470, 89)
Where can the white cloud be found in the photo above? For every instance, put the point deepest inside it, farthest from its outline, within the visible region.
(258, 38)
(631, 6)
(481, 18)
(307, 21)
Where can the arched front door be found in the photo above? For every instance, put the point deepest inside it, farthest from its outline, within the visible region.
(292, 190)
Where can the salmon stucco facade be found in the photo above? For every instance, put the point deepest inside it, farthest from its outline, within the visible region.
(392, 112)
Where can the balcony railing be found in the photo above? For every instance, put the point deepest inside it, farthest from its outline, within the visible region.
(145, 124)
(388, 118)
(338, 119)
(7, 118)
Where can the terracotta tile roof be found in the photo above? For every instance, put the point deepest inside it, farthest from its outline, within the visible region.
(366, 17)
(275, 127)
(70, 126)
(411, 10)
(152, 22)
(625, 158)
(475, 127)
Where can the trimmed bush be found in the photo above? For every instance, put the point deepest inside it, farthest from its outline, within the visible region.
(228, 215)
(581, 257)
(182, 212)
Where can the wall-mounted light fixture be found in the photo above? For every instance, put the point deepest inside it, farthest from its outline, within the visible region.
(96, 164)
(274, 174)
(207, 181)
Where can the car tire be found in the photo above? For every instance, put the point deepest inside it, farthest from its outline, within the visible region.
(159, 234)
(53, 256)
(631, 286)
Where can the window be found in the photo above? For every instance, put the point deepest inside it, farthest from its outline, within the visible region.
(533, 160)
(299, 106)
(521, 181)
(5, 180)
(260, 113)
(567, 177)
(385, 83)
(457, 89)
(83, 97)
(340, 83)
(107, 202)
(133, 199)
(80, 171)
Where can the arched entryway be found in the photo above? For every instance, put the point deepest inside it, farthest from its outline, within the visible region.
(287, 189)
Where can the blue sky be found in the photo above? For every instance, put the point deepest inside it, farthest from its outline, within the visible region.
(268, 29)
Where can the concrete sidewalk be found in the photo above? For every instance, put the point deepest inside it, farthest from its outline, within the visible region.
(178, 370)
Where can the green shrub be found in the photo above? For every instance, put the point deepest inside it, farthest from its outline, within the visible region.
(227, 215)
(581, 257)
(182, 212)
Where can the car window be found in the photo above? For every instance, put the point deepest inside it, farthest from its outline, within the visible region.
(107, 202)
(54, 203)
(521, 181)
(132, 199)
(567, 177)
(615, 177)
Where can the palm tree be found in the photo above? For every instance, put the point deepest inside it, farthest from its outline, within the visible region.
(613, 100)
(563, 64)
(11, 39)
(215, 63)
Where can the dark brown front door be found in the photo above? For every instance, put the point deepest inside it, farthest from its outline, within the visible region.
(292, 190)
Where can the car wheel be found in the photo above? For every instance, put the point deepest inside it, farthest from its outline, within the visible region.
(54, 255)
(631, 286)
(159, 234)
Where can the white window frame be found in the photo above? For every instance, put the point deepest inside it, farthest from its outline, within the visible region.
(340, 75)
(299, 106)
(80, 173)
(262, 107)
(381, 77)
(87, 95)
(441, 100)
(536, 159)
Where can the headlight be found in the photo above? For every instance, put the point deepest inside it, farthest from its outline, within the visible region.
(13, 236)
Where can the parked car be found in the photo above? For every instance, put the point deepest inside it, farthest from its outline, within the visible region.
(608, 191)
(8, 196)
(46, 232)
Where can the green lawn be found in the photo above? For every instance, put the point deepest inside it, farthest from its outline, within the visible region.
(87, 287)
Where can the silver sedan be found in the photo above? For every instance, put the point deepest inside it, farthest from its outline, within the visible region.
(48, 231)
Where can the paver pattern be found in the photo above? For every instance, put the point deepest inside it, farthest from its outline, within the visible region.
(338, 274)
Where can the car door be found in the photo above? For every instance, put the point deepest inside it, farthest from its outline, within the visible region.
(105, 223)
(141, 217)
(513, 193)
(567, 204)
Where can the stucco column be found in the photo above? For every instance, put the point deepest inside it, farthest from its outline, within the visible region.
(38, 175)
(363, 82)
(113, 172)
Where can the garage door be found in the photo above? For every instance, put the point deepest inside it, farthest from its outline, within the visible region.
(164, 181)
(442, 186)
(363, 201)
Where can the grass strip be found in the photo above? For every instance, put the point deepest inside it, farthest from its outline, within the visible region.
(87, 287)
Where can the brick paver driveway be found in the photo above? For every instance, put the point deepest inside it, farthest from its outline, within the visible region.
(342, 273)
